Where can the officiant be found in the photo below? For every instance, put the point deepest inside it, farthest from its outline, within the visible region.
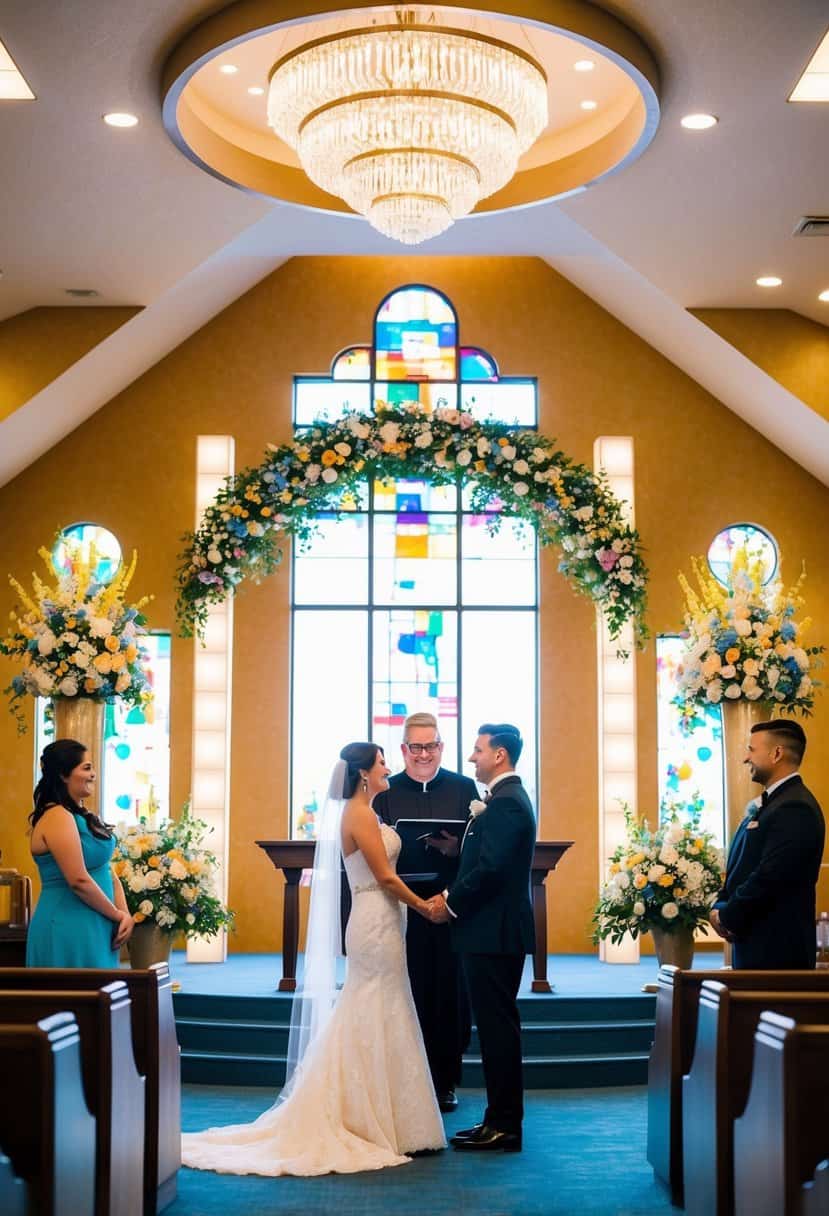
(425, 790)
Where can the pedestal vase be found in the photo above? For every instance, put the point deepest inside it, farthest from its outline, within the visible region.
(149, 944)
(82, 719)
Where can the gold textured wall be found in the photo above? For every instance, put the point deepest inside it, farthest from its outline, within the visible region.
(37, 345)
(130, 467)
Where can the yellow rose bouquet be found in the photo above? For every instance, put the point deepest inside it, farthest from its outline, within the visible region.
(75, 637)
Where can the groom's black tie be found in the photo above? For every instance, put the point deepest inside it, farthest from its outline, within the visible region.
(764, 797)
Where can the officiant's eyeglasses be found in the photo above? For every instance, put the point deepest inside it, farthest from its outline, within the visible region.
(418, 748)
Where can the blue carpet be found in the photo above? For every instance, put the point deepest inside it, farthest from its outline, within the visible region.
(584, 1155)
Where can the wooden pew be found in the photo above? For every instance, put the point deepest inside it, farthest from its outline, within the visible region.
(45, 1127)
(156, 1057)
(675, 1032)
(13, 1197)
(716, 1090)
(814, 1195)
(783, 1134)
(113, 1088)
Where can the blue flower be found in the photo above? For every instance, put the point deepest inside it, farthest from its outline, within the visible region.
(788, 631)
(726, 639)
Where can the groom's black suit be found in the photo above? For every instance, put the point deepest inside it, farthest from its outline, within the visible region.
(492, 930)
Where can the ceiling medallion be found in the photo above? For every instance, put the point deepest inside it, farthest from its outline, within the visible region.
(412, 125)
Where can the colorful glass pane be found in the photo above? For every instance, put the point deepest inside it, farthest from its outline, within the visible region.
(477, 364)
(413, 495)
(415, 337)
(497, 567)
(328, 703)
(136, 763)
(323, 400)
(725, 544)
(415, 559)
(333, 567)
(427, 396)
(415, 670)
(352, 364)
(80, 540)
(692, 767)
(501, 691)
(511, 401)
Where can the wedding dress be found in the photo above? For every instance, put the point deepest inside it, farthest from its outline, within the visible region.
(362, 1098)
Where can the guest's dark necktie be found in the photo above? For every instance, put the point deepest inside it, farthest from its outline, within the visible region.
(764, 797)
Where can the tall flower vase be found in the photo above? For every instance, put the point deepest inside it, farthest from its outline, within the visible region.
(676, 947)
(149, 944)
(738, 717)
(82, 719)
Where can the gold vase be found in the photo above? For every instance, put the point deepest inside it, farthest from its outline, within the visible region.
(676, 948)
(82, 719)
(149, 944)
(738, 717)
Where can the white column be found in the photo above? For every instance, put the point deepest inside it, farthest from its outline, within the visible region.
(212, 682)
(617, 700)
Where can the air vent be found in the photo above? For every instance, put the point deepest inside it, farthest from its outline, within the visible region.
(812, 225)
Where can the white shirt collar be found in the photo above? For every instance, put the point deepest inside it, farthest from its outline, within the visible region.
(500, 777)
(775, 785)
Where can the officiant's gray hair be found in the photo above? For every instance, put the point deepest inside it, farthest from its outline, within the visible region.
(424, 719)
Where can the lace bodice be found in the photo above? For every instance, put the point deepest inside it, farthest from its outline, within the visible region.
(358, 871)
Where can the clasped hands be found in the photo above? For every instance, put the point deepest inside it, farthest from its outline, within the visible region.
(436, 910)
(720, 930)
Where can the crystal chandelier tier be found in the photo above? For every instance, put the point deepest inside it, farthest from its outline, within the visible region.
(411, 125)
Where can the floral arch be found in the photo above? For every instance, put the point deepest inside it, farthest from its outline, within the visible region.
(410, 419)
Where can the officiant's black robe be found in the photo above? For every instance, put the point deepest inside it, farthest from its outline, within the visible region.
(437, 982)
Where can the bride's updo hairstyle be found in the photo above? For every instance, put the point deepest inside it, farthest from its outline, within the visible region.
(358, 756)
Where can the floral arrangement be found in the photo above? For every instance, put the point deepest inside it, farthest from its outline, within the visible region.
(667, 879)
(744, 642)
(167, 876)
(517, 472)
(77, 638)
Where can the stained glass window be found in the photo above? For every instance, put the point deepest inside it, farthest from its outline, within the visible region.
(85, 537)
(691, 767)
(136, 746)
(724, 545)
(400, 606)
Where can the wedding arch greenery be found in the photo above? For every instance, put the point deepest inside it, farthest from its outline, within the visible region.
(508, 471)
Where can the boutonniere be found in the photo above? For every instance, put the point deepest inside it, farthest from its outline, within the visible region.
(476, 807)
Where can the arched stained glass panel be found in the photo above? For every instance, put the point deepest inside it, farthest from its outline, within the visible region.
(416, 336)
(352, 364)
(477, 365)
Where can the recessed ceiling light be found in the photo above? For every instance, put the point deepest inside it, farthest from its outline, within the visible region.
(117, 119)
(814, 83)
(256, 90)
(229, 69)
(824, 295)
(589, 105)
(81, 293)
(584, 65)
(699, 122)
(768, 280)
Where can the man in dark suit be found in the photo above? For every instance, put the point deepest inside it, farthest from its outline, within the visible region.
(491, 923)
(767, 905)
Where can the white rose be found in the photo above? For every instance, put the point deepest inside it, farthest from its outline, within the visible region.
(772, 675)
(668, 855)
(713, 692)
(342, 449)
(145, 907)
(68, 687)
(424, 439)
(46, 642)
(464, 457)
(522, 468)
(622, 879)
(728, 672)
(801, 658)
(674, 834)
(638, 908)
(312, 473)
(329, 476)
(177, 870)
(537, 455)
(70, 638)
(190, 918)
(507, 451)
(214, 556)
(733, 692)
(743, 628)
(81, 659)
(521, 488)
(626, 562)
(389, 432)
(152, 880)
(655, 873)
(100, 626)
(669, 911)
(625, 577)
(137, 883)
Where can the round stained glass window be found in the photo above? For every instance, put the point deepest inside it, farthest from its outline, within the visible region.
(726, 543)
(84, 540)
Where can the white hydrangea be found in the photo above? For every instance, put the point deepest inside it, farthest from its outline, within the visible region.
(145, 907)
(670, 910)
(177, 870)
(668, 855)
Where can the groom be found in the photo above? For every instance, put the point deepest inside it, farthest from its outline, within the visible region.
(489, 908)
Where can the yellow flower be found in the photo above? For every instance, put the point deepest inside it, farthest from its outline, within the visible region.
(614, 869)
(635, 859)
(666, 880)
(119, 660)
(154, 862)
(103, 663)
(328, 457)
(640, 881)
(131, 652)
(732, 654)
(112, 644)
(266, 511)
(89, 685)
(678, 892)
(138, 917)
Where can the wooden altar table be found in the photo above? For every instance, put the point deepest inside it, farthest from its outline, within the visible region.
(294, 856)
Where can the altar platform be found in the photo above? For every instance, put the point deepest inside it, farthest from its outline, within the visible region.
(595, 1028)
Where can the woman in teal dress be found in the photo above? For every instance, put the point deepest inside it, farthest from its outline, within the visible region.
(81, 918)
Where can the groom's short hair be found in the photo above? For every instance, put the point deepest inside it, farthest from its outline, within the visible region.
(787, 734)
(502, 734)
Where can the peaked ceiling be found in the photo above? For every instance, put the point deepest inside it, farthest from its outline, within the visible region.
(690, 224)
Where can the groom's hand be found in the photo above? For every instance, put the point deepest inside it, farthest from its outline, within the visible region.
(437, 911)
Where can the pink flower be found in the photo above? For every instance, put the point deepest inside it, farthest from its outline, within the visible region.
(607, 559)
(466, 421)
(207, 577)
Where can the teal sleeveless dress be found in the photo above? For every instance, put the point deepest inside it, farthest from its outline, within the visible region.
(64, 931)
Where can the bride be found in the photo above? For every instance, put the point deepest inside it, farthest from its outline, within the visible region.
(358, 1093)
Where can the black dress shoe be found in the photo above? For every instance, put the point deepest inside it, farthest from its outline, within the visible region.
(465, 1135)
(489, 1140)
(447, 1101)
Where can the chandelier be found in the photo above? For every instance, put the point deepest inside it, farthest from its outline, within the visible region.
(411, 125)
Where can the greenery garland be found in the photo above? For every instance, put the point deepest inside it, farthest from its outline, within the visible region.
(511, 471)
